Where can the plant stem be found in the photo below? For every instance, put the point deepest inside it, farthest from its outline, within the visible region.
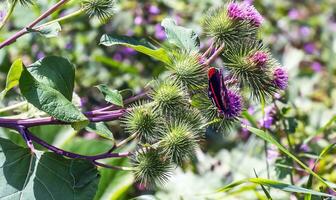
(9, 13)
(74, 14)
(13, 123)
(23, 131)
(125, 141)
(75, 155)
(113, 167)
(23, 31)
(214, 55)
(12, 107)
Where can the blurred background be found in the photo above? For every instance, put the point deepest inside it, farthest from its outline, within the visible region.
(301, 35)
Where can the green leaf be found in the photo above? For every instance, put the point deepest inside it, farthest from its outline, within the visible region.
(269, 138)
(323, 153)
(101, 129)
(184, 38)
(50, 100)
(56, 72)
(51, 30)
(112, 96)
(142, 46)
(13, 77)
(26, 176)
(276, 185)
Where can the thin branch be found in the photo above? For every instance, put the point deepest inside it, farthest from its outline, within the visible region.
(23, 31)
(9, 13)
(113, 167)
(214, 55)
(75, 155)
(23, 131)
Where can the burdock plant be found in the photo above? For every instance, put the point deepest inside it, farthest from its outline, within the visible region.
(168, 119)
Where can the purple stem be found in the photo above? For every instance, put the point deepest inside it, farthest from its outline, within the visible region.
(14, 123)
(23, 31)
(74, 155)
(23, 131)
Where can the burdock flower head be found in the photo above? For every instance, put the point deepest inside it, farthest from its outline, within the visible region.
(259, 58)
(280, 78)
(234, 103)
(243, 11)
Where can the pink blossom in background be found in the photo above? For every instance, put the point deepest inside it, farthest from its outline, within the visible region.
(316, 66)
(40, 55)
(138, 20)
(293, 14)
(305, 31)
(154, 10)
(309, 48)
(159, 32)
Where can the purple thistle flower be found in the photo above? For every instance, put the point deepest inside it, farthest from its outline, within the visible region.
(234, 104)
(280, 78)
(236, 11)
(259, 58)
(253, 15)
(244, 11)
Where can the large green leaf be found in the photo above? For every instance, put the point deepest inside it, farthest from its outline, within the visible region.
(112, 96)
(13, 77)
(56, 72)
(142, 46)
(276, 185)
(184, 38)
(50, 100)
(269, 138)
(28, 176)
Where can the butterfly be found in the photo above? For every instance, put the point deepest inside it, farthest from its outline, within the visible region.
(226, 101)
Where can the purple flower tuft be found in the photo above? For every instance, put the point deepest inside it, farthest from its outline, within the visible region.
(244, 11)
(234, 105)
(236, 11)
(253, 15)
(280, 78)
(259, 58)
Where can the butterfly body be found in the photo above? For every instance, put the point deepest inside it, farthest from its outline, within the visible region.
(227, 102)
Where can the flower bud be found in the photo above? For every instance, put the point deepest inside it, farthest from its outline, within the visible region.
(280, 78)
(102, 9)
(151, 168)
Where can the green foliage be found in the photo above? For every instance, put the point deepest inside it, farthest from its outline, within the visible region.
(269, 138)
(56, 72)
(23, 2)
(274, 184)
(142, 46)
(184, 38)
(13, 77)
(112, 96)
(44, 97)
(49, 31)
(101, 129)
(27, 175)
(151, 168)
